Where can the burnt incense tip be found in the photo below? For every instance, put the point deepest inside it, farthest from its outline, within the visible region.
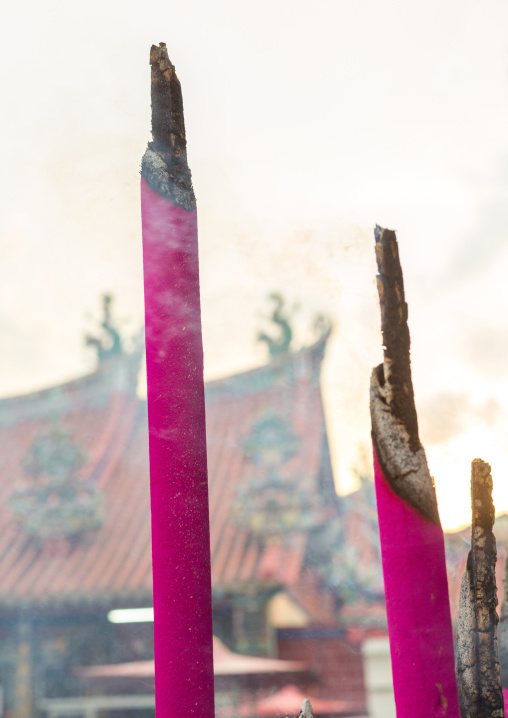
(306, 709)
(159, 54)
(393, 411)
(478, 669)
(168, 127)
(482, 505)
(164, 164)
(395, 330)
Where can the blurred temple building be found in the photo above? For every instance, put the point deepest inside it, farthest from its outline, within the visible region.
(296, 576)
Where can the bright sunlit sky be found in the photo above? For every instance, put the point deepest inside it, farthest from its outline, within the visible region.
(307, 124)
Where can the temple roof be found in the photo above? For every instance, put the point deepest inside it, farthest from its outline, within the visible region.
(266, 441)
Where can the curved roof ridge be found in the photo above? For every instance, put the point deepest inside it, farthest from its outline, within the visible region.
(117, 374)
(305, 361)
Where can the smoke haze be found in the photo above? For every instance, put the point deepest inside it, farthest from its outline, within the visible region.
(306, 126)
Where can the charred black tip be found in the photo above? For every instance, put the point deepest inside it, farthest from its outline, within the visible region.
(165, 165)
(168, 127)
(392, 406)
(482, 505)
(395, 330)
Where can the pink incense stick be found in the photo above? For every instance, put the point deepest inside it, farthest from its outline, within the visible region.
(176, 411)
(412, 542)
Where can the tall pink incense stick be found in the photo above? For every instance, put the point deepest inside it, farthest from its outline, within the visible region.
(412, 542)
(176, 411)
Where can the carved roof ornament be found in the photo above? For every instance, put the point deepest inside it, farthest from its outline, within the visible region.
(279, 344)
(109, 342)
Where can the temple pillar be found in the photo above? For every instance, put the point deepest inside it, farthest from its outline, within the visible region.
(24, 698)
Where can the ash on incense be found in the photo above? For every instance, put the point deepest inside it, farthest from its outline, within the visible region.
(164, 165)
(412, 541)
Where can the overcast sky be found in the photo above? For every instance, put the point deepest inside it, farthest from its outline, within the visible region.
(307, 123)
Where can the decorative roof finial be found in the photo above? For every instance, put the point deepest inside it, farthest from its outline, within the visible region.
(110, 343)
(279, 345)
